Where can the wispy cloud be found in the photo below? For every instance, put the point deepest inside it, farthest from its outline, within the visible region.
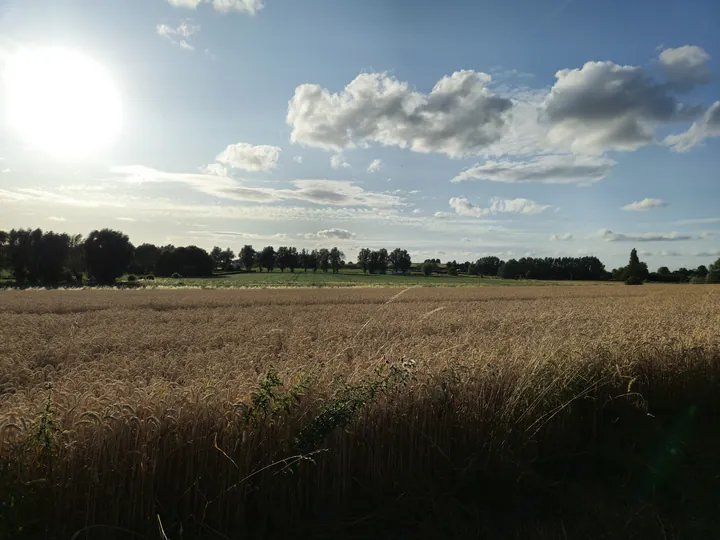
(644, 205)
(566, 237)
(464, 207)
(609, 236)
(179, 35)
(375, 165)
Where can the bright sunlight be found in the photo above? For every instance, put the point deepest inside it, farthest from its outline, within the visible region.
(61, 100)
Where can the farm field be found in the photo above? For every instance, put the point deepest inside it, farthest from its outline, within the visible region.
(477, 412)
(342, 279)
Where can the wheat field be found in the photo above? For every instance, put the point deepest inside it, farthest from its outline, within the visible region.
(515, 412)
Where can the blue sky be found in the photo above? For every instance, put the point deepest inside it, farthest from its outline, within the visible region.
(545, 127)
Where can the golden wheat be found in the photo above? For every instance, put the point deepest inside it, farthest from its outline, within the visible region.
(148, 391)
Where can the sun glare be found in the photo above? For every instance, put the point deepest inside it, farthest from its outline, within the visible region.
(61, 100)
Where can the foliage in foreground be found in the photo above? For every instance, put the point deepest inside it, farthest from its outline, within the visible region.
(515, 413)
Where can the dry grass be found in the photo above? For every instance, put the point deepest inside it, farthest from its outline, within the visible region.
(451, 406)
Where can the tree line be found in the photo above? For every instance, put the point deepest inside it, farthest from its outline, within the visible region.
(34, 257)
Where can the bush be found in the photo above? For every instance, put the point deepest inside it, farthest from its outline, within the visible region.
(176, 276)
(697, 280)
(132, 278)
(150, 277)
(453, 271)
(633, 280)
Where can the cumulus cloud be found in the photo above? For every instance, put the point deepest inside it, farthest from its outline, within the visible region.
(685, 67)
(561, 237)
(338, 234)
(459, 117)
(180, 35)
(464, 207)
(609, 236)
(645, 204)
(324, 192)
(251, 7)
(550, 169)
(707, 126)
(375, 165)
(604, 106)
(338, 162)
(250, 157)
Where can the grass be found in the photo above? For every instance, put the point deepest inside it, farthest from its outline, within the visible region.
(343, 279)
(493, 412)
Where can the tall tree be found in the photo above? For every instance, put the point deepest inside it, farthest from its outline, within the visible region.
(52, 252)
(190, 261)
(226, 258)
(216, 255)
(713, 275)
(247, 256)
(146, 257)
(267, 258)
(701, 271)
(324, 259)
(107, 253)
(400, 260)
(293, 260)
(663, 271)
(636, 270)
(304, 259)
(363, 259)
(314, 260)
(337, 259)
(378, 261)
(283, 258)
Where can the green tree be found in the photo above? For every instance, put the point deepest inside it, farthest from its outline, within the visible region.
(713, 275)
(304, 258)
(146, 258)
(190, 261)
(635, 271)
(363, 259)
(314, 260)
(428, 267)
(400, 260)
(293, 260)
(324, 259)
(267, 258)
(701, 271)
(337, 259)
(283, 258)
(247, 256)
(226, 258)
(216, 255)
(107, 253)
(663, 271)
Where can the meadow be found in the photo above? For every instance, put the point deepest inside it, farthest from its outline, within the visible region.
(477, 412)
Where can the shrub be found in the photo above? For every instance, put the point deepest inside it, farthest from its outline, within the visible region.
(697, 280)
(634, 280)
(453, 271)
(176, 276)
(132, 278)
(150, 277)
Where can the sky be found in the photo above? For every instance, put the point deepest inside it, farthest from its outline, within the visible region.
(452, 129)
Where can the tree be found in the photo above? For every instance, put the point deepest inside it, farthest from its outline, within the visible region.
(363, 259)
(283, 258)
(324, 259)
(190, 261)
(107, 253)
(663, 271)
(488, 266)
(226, 258)
(428, 267)
(216, 255)
(4, 235)
(337, 259)
(146, 258)
(378, 261)
(304, 257)
(701, 271)
(635, 271)
(400, 260)
(52, 254)
(293, 259)
(713, 275)
(247, 256)
(314, 260)
(267, 258)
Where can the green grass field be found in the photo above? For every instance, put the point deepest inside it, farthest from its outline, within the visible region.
(344, 279)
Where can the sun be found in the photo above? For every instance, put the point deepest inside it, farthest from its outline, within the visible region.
(61, 100)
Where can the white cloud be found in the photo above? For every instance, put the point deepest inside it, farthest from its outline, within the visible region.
(609, 236)
(417, 211)
(375, 165)
(645, 204)
(550, 169)
(327, 192)
(126, 219)
(459, 117)
(250, 157)
(298, 159)
(180, 35)
(251, 7)
(465, 239)
(464, 207)
(338, 234)
(338, 162)
(566, 237)
(603, 106)
(55, 218)
(685, 67)
(707, 126)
